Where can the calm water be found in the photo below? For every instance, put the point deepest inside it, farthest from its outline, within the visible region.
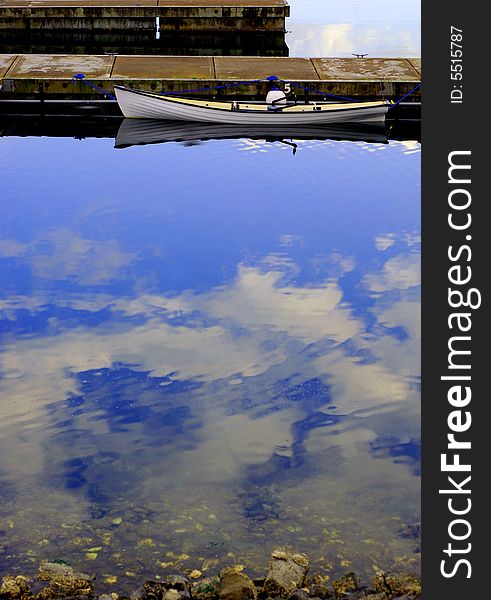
(209, 350)
(379, 28)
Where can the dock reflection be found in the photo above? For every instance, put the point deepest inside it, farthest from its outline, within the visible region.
(181, 43)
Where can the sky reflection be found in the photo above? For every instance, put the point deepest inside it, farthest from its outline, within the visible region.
(217, 344)
(377, 27)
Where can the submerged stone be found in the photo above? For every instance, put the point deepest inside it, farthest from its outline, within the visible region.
(145, 543)
(68, 586)
(299, 595)
(153, 590)
(235, 585)
(361, 594)
(49, 570)
(176, 582)
(287, 572)
(176, 595)
(396, 583)
(411, 531)
(317, 586)
(206, 589)
(345, 585)
(15, 588)
(320, 590)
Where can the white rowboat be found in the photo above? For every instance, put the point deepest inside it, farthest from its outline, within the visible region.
(137, 104)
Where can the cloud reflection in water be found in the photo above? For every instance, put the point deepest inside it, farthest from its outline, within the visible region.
(218, 350)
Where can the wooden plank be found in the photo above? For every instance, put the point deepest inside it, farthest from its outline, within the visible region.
(61, 66)
(163, 67)
(248, 68)
(365, 69)
(6, 61)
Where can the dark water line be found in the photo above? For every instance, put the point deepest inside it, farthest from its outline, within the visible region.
(82, 127)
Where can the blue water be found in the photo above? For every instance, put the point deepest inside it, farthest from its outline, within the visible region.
(209, 350)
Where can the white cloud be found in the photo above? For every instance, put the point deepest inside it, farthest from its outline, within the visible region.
(398, 273)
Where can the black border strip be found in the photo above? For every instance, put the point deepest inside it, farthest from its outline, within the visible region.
(454, 127)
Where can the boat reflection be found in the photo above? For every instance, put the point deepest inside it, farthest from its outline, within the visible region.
(140, 132)
(84, 121)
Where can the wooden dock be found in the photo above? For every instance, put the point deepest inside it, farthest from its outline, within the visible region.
(131, 15)
(31, 76)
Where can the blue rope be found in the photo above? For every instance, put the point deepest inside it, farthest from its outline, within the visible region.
(81, 77)
(405, 96)
(307, 89)
(271, 78)
(212, 87)
(345, 97)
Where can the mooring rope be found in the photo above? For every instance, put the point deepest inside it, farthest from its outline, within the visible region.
(325, 94)
(212, 87)
(405, 96)
(81, 77)
(271, 78)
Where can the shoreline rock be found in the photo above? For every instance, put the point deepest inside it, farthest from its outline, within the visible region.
(286, 579)
(235, 585)
(287, 573)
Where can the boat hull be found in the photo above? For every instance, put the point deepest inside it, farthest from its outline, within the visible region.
(136, 104)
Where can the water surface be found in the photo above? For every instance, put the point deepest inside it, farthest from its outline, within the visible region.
(316, 28)
(379, 28)
(209, 350)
